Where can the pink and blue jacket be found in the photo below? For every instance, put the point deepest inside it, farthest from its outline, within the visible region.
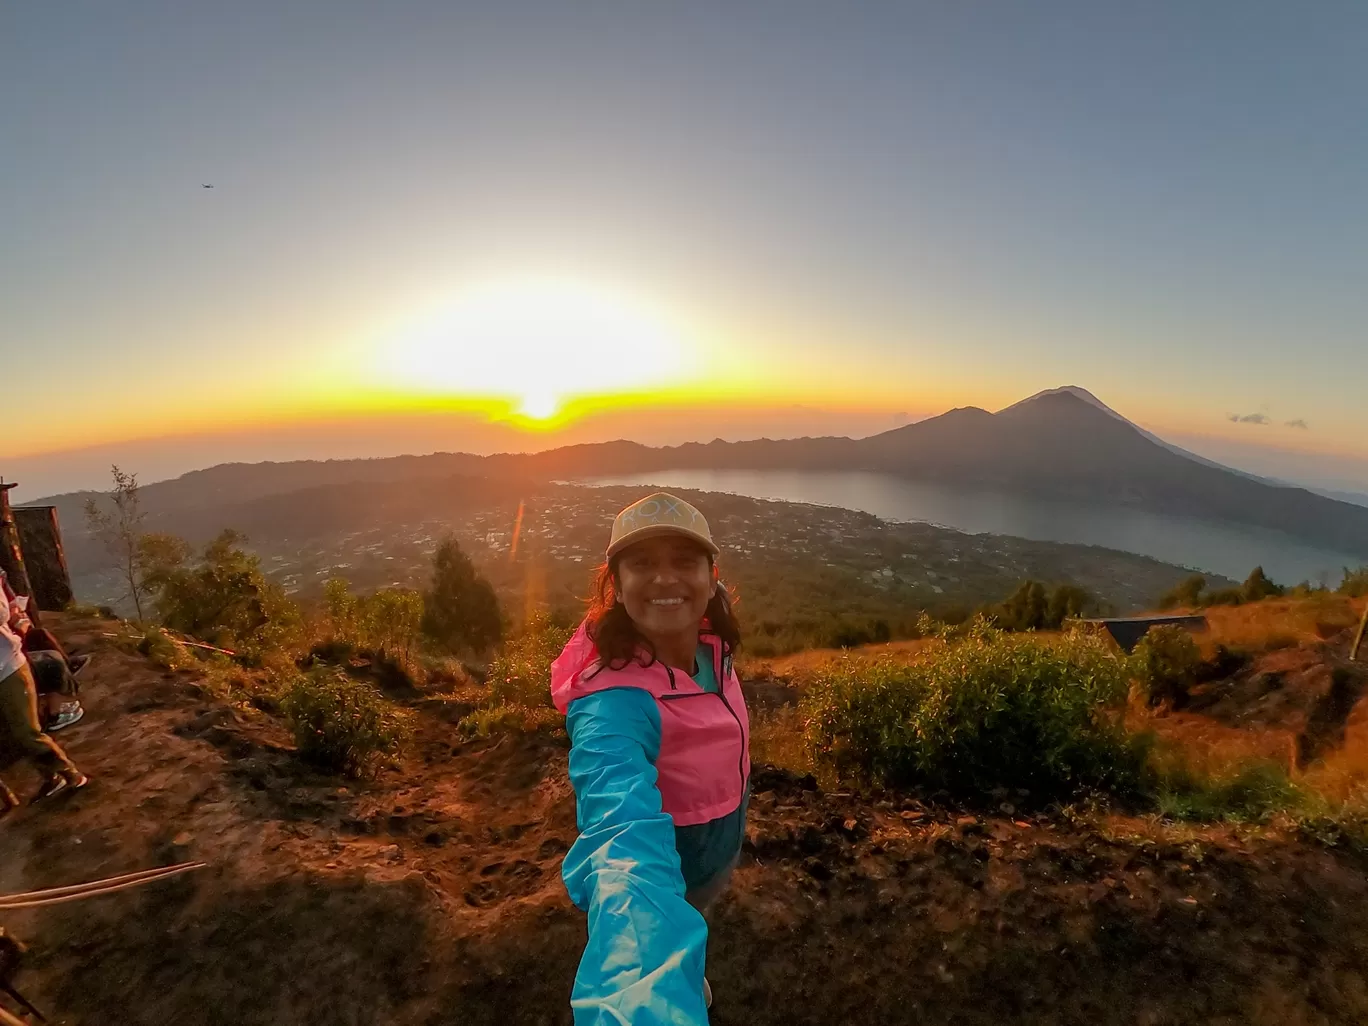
(661, 771)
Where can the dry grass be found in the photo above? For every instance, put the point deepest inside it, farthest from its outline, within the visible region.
(803, 665)
(1280, 623)
(777, 738)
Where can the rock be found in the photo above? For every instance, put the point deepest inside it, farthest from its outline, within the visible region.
(817, 869)
(182, 839)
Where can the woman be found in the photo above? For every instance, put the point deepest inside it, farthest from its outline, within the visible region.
(54, 672)
(21, 736)
(659, 762)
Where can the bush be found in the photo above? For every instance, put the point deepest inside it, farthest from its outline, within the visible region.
(164, 650)
(509, 719)
(385, 623)
(1168, 663)
(1255, 792)
(1224, 597)
(518, 687)
(1355, 583)
(223, 599)
(1187, 594)
(992, 710)
(460, 609)
(1031, 608)
(339, 724)
(521, 673)
(1257, 586)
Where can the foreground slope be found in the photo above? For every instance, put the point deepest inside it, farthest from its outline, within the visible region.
(431, 896)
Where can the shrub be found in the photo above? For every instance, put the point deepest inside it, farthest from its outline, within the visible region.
(521, 673)
(460, 609)
(990, 710)
(1168, 663)
(1255, 792)
(1030, 607)
(1187, 594)
(508, 719)
(1257, 586)
(385, 623)
(1224, 597)
(164, 650)
(339, 724)
(1355, 583)
(224, 598)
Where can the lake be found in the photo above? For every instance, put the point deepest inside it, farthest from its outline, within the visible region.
(1220, 548)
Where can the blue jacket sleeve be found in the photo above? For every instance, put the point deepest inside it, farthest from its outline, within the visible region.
(643, 964)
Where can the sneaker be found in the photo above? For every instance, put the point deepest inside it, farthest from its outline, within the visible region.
(70, 712)
(77, 664)
(60, 783)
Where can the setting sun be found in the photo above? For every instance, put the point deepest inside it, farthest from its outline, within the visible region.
(537, 345)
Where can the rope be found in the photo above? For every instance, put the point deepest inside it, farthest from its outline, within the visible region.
(58, 895)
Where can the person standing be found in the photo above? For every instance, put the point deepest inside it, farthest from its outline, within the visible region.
(660, 765)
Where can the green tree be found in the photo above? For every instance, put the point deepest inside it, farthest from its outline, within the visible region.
(1026, 609)
(1187, 594)
(1257, 586)
(119, 529)
(1067, 601)
(460, 609)
(223, 598)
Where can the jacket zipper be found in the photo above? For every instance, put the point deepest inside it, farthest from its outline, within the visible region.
(722, 694)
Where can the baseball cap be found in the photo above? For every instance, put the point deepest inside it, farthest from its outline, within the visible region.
(659, 513)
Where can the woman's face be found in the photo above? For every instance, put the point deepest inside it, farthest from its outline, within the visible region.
(665, 583)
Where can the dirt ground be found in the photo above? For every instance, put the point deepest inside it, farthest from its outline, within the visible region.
(432, 895)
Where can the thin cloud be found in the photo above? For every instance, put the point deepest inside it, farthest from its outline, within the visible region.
(1249, 418)
(1298, 423)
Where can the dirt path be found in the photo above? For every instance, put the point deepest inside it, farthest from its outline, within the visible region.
(432, 896)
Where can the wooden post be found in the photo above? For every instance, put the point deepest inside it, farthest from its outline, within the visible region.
(40, 538)
(11, 555)
(1358, 636)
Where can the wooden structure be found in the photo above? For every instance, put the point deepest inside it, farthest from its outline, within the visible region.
(1128, 630)
(40, 539)
(11, 552)
(1358, 636)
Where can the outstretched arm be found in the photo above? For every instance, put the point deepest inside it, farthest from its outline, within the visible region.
(644, 960)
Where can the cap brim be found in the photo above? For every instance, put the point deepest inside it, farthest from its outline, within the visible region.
(655, 531)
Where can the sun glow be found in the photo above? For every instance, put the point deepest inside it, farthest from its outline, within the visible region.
(538, 345)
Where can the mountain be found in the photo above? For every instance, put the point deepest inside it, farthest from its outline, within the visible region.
(1062, 444)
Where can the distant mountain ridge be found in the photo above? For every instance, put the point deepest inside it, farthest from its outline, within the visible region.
(1061, 444)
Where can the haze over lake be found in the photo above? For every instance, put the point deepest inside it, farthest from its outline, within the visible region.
(1228, 549)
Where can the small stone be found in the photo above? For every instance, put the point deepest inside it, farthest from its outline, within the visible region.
(182, 839)
(1188, 900)
(1007, 809)
(911, 814)
(1021, 823)
(850, 825)
(966, 821)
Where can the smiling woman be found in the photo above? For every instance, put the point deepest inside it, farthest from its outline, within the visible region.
(538, 344)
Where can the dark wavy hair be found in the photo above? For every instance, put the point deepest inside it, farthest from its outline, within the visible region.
(616, 636)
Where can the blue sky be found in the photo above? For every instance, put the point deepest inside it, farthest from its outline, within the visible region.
(867, 208)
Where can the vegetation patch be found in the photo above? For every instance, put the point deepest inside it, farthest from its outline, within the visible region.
(339, 724)
(984, 712)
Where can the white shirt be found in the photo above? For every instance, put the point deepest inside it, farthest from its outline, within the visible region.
(11, 648)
